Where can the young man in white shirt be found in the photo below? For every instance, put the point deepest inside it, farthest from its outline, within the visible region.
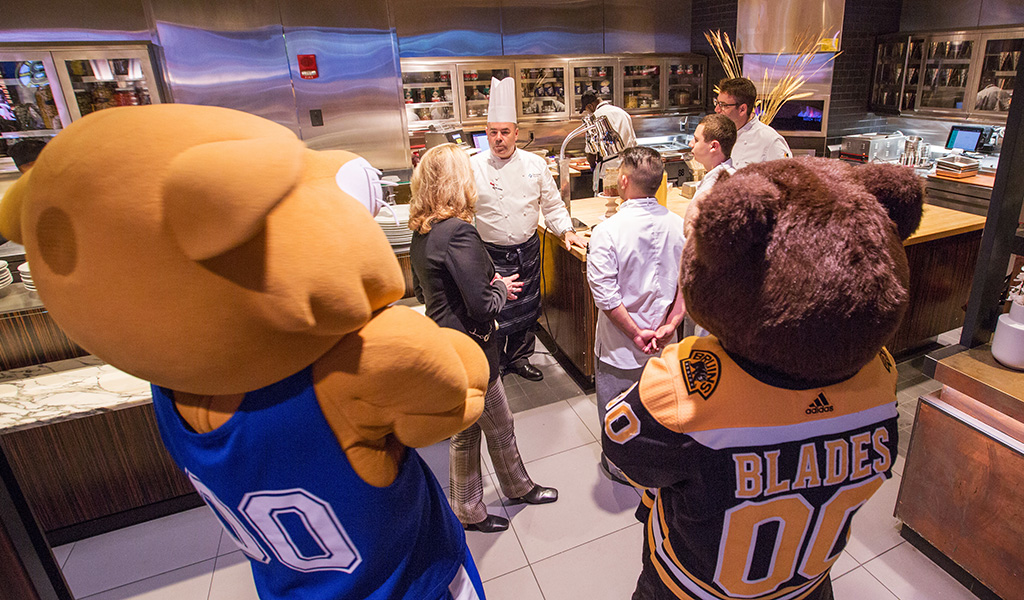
(514, 188)
(713, 141)
(755, 141)
(633, 271)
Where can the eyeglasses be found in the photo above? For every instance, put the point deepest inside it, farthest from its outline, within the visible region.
(719, 104)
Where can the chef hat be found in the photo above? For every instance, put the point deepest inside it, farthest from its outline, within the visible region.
(502, 107)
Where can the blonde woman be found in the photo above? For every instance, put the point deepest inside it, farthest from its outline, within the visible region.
(454, 277)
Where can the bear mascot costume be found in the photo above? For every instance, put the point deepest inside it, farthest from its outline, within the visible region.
(209, 252)
(760, 441)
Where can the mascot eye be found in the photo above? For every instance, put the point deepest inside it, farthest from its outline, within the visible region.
(359, 179)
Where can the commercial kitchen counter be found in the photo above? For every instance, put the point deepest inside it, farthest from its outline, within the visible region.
(83, 443)
(941, 253)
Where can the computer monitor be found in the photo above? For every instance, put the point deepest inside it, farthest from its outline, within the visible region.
(480, 140)
(969, 138)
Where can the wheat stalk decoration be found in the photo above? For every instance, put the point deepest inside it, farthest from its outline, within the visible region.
(787, 87)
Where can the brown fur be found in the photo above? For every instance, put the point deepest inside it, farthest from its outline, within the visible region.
(798, 265)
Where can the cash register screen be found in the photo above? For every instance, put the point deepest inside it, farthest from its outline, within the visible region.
(965, 138)
(455, 137)
(480, 140)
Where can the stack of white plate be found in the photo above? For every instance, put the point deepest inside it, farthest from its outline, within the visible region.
(6, 278)
(398, 234)
(26, 277)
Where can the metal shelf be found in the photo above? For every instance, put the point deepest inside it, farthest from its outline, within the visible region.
(428, 104)
(437, 84)
(31, 133)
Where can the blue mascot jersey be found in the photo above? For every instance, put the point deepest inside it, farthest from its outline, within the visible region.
(283, 488)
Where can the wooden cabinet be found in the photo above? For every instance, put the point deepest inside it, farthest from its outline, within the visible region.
(962, 489)
(97, 473)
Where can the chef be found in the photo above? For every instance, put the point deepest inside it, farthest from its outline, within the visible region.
(514, 188)
(755, 141)
(620, 122)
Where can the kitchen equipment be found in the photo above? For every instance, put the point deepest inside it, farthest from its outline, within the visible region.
(911, 150)
(957, 166)
(872, 147)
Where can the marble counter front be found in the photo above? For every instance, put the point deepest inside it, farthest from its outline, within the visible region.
(63, 390)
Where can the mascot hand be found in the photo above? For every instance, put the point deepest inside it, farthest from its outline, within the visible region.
(399, 381)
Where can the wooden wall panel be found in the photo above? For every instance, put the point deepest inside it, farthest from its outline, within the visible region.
(939, 288)
(569, 314)
(31, 337)
(16, 583)
(92, 467)
(963, 492)
(406, 263)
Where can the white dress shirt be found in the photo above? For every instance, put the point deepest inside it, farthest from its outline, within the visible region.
(633, 260)
(512, 193)
(757, 142)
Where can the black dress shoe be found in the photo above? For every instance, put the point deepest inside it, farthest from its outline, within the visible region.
(538, 495)
(492, 524)
(528, 371)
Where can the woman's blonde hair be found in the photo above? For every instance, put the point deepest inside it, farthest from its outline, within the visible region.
(442, 187)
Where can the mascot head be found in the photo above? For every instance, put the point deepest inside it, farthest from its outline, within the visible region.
(204, 249)
(798, 266)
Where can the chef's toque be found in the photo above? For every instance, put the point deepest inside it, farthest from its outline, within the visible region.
(502, 107)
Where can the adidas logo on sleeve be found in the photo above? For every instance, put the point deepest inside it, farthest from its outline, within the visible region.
(820, 405)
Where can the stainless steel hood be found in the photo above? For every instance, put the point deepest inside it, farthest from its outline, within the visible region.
(773, 27)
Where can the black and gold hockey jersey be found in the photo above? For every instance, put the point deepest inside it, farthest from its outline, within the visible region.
(756, 484)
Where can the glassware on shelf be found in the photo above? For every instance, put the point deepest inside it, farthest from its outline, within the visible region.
(27, 105)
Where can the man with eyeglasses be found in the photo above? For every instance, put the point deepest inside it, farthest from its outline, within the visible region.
(755, 141)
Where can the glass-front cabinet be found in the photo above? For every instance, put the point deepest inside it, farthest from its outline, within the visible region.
(548, 88)
(1000, 55)
(897, 73)
(475, 80)
(947, 72)
(429, 94)
(641, 84)
(98, 79)
(31, 103)
(541, 89)
(686, 83)
(42, 90)
(962, 73)
(593, 76)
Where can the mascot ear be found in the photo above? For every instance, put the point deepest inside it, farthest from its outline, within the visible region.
(217, 195)
(737, 216)
(898, 189)
(10, 209)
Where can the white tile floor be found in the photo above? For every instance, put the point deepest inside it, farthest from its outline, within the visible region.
(586, 545)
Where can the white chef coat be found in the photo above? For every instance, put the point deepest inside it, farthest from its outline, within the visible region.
(704, 185)
(704, 188)
(633, 259)
(622, 123)
(512, 193)
(757, 142)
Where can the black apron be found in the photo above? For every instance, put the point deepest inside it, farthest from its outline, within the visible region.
(523, 259)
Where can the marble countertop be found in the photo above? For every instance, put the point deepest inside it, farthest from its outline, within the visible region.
(66, 389)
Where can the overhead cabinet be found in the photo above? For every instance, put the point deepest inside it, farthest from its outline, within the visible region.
(549, 88)
(42, 90)
(947, 74)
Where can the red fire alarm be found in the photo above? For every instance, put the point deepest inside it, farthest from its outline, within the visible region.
(307, 66)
